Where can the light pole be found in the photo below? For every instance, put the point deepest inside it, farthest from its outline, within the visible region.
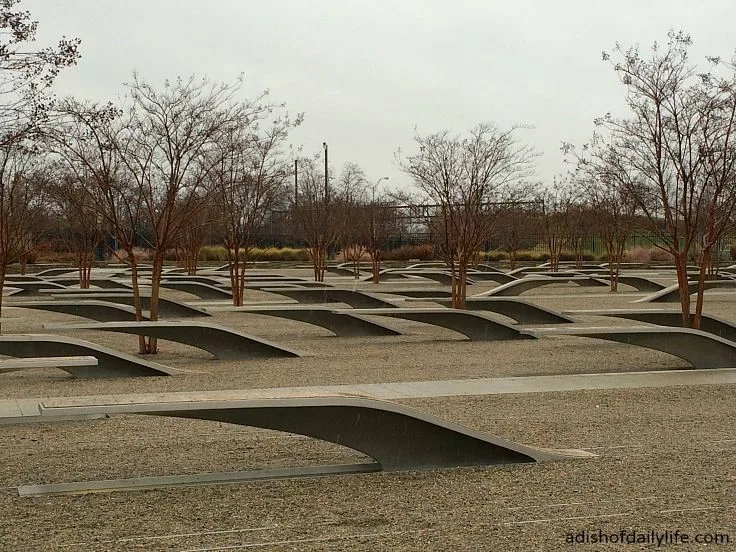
(376, 186)
(327, 180)
(373, 208)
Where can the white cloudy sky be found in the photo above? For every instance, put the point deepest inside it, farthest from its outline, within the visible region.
(367, 72)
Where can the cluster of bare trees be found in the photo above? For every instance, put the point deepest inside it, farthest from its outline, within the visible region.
(174, 161)
(461, 182)
(26, 76)
(169, 167)
(348, 213)
(668, 165)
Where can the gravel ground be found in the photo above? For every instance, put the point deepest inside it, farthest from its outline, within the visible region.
(666, 455)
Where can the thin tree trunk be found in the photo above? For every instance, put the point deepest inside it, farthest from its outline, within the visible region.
(3, 270)
(136, 297)
(158, 265)
(463, 284)
(681, 267)
(704, 262)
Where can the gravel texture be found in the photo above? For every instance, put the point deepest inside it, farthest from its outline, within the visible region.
(666, 455)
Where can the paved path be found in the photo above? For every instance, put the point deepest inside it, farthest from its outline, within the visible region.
(19, 410)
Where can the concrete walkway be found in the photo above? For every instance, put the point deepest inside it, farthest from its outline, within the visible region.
(27, 410)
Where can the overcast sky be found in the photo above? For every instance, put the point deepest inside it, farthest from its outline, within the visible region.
(367, 72)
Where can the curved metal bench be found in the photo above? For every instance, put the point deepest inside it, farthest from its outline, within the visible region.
(54, 272)
(444, 278)
(203, 291)
(498, 277)
(387, 274)
(419, 293)
(711, 324)
(518, 309)
(101, 311)
(17, 364)
(10, 278)
(517, 287)
(222, 342)
(104, 283)
(700, 349)
(637, 282)
(166, 307)
(672, 294)
(342, 325)
(111, 363)
(357, 299)
(395, 436)
(207, 280)
(35, 287)
(475, 326)
(483, 267)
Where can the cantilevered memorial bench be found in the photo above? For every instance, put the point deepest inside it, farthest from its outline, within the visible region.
(388, 274)
(203, 291)
(100, 311)
(342, 325)
(437, 265)
(441, 276)
(395, 437)
(700, 349)
(208, 280)
(66, 363)
(637, 282)
(166, 307)
(357, 299)
(517, 309)
(711, 324)
(418, 293)
(10, 278)
(35, 288)
(444, 278)
(671, 294)
(49, 272)
(517, 287)
(102, 283)
(111, 363)
(476, 326)
(498, 277)
(224, 343)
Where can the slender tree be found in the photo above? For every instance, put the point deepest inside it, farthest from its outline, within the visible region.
(247, 179)
(673, 154)
(462, 179)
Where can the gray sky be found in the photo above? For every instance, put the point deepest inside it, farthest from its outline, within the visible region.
(367, 72)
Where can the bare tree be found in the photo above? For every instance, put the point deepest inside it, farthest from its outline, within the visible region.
(82, 228)
(26, 76)
(612, 209)
(247, 180)
(168, 134)
(26, 73)
(354, 193)
(86, 142)
(378, 221)
(556, 204)
(193, 235)
(517, 228)
(462, 178)
(674, 153)
(319, 215)
(22, 204)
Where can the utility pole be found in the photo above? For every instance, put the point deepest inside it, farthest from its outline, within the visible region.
(327, 180)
